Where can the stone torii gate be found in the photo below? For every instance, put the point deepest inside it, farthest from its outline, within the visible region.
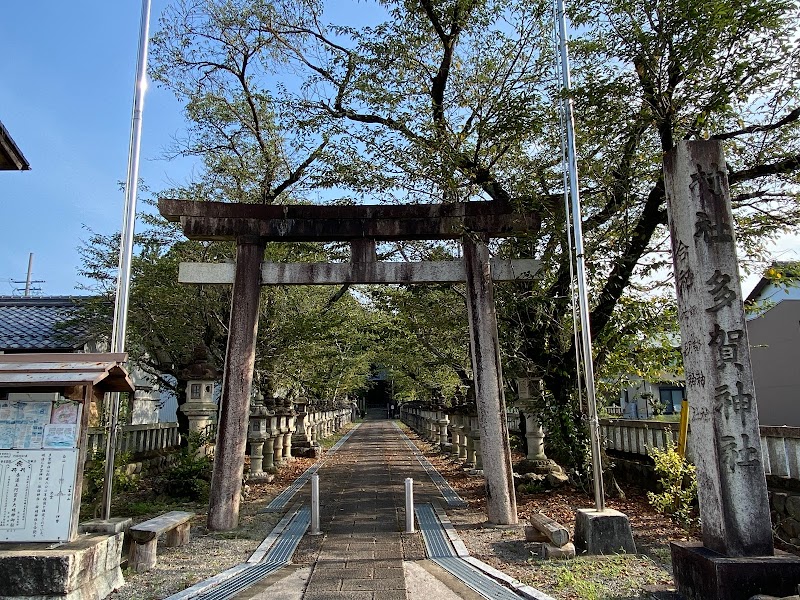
(252, 226)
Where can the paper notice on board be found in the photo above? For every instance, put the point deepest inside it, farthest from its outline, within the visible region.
(36, 494)
(22, 423)
(60, 436)
(66, 413)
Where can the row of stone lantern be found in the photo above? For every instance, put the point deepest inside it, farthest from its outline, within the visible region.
(278, 427)
(438, 425)
(455, 430)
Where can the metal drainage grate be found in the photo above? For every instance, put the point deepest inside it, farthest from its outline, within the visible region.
(277, 557)
(475, 579)
(440, 551)
(280, 501)
(243, 580)
(448, 493)
(436, 543)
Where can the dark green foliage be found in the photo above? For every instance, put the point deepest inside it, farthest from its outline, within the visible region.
(189, 478)
(95, 474)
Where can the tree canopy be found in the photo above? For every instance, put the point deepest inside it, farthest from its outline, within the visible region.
(457, 100)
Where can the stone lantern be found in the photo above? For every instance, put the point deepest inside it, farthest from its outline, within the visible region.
(301, 439)
(536, 461)
(258, 433)
(200, 407)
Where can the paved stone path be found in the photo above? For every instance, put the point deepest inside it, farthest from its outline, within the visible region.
(362, 514)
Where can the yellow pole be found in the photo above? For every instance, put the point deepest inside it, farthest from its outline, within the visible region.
(684, 428)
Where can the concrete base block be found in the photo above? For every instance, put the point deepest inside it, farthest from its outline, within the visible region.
(85, 569)
(702, 574)
(107, 526)
(606, 532)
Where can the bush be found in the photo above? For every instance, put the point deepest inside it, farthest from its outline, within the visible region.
(190, 477)
(95, 474)
(678, 482)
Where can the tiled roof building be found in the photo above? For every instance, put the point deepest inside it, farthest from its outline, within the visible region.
(41, 324)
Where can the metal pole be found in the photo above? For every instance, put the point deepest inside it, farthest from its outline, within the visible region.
(315, 530)
(126, 243)
(583, 302)
(409, 505)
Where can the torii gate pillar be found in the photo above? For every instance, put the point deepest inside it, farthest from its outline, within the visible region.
(501, 503)
(226, 481)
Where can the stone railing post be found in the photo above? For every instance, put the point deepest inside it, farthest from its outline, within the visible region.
(280, 428)
(470, 449)
(443, 422)
(455, 429)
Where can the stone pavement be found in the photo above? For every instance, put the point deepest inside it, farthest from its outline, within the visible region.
(363, 517)
(362, 498)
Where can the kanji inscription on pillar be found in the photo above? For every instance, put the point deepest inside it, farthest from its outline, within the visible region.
(719, 380)
(36, 494)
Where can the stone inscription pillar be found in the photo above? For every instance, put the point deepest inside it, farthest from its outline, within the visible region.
(226, 480)
(501, 503)
(719, 380)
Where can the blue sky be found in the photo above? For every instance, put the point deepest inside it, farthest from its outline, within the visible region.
(66, 95)
(66, 92)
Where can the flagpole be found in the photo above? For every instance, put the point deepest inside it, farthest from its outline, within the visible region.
(583, 301)
(126, 244)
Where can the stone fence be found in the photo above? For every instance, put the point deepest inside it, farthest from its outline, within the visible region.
(780, 455)
(273, 437)
(137, 439)
(151, 446)
(780, 446)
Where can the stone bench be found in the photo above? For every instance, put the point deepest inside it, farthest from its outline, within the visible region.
(144, 538)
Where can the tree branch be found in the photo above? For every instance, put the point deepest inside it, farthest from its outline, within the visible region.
(787, 165)
(789, 118)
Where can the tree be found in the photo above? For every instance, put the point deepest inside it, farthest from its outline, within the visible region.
(308, 342)
(455, 100)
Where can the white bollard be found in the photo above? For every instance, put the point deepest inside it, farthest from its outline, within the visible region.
(409, 505)
(315, 505)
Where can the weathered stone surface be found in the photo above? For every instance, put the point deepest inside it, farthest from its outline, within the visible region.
(554, 531)
(779, 501)
(339, 273)
(224, 220)
(226, 480)
(545, 550)
(85, 569)
(792, 506)
(732, 490)
(702, 574)
(501, 502)
(538, 466)
(791, 527)
(565, 551)
(557, 479)
(534, 535)
(603, 532)
(108, 526)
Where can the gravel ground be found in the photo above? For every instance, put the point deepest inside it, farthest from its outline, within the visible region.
(586, 578)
